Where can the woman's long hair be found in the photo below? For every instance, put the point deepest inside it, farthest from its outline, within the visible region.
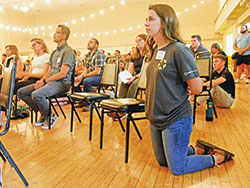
(170, 26)
(137, 53)
(216, 46)
(14, 50)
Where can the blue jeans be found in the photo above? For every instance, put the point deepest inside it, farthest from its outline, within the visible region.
(171, 148)
(37, 99)
(88, 83)
(91, 81)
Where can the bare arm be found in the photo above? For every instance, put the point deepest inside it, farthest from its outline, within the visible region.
(194, 85)
(19, 69)
(246, 48)
(60, 75)
(93, 73)
(235, 47)
(131, 68)
(38, 75)
(215, 82)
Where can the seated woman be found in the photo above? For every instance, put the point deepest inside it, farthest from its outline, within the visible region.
(12, 50)
(216, 49)
(128, 89)
(39, 65)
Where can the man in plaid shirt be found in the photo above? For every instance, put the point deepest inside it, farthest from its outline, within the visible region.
(93, 67)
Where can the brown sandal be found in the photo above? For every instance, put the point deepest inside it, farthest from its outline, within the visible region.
(209, 148)
(227, 155)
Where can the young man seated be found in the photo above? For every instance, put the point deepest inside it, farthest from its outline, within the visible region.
(223, 87)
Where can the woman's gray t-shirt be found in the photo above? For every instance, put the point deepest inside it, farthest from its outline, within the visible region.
(166, 93)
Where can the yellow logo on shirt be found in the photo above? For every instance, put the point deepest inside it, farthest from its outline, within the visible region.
(162, 64)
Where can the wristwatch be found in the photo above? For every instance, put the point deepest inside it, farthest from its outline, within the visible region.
(44, 81)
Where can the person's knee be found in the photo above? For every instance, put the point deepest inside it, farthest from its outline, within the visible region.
(86, 82)
(36, 96)
(162, 163)
(175, 171)
(20, 93)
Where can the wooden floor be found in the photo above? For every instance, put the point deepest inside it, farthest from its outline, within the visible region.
(57, 158)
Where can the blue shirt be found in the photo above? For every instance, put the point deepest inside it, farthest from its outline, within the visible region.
(242, 41)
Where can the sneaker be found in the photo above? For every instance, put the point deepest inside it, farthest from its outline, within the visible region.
(237, 81)
(39, 122)
(52, 123)
(247, 81)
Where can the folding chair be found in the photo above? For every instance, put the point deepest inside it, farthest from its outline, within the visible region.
(204, 65)
(6, 97)
(109, 78)
(128, 106)
(60, 95)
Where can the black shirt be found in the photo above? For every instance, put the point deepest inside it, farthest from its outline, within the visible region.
(228, 85)
(137, 64)
(166, 90)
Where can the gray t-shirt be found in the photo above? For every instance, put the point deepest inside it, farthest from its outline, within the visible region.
(63, 55)
(166, 93)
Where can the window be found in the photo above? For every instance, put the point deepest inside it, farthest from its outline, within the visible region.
(229, 44)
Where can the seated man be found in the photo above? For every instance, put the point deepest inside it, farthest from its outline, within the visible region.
(196, 45)
(57, 79)
(93, 64)
(223, 87)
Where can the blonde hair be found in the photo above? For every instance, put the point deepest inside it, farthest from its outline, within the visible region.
(170, 26)
(14, 50)
(65, 30)
(42, 42)
(137, 53)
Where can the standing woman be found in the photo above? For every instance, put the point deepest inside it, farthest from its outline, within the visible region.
(172, 75)
(128, 90)
(39, 66)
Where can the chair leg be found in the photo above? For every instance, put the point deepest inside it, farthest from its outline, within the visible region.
(72, 116)
(50, 104)
(60, 108)
(90, 120)
(53, 108)
(31, 115)
(36, 116)
(2, 156)
(136, 128)
(97, 111)
(72, 106)
(194, 109)
(102, 125)
(13, 164)
(121, 124)
(127, 139)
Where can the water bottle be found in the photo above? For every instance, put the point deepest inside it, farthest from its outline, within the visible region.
(209, 110)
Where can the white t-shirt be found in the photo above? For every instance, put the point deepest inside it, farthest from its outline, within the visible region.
(39, 62)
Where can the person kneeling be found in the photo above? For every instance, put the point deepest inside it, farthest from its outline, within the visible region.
(223, 87)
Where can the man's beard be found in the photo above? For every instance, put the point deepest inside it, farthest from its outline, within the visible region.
(243, 32)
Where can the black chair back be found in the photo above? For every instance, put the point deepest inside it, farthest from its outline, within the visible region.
(204, 65)
(110, 73)
(7, 89)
